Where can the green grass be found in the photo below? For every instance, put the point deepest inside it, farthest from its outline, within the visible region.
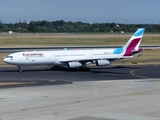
(27, 40)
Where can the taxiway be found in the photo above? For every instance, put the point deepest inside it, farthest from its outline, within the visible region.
(110, 93)
(90, 74)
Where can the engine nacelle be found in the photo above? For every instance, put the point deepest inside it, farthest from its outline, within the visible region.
(102, 62)
(74, 64)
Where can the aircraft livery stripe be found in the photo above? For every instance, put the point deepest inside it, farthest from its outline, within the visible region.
(131, 47)
(139, 32)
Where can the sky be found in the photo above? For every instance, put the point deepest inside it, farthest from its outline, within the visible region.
(94, 11)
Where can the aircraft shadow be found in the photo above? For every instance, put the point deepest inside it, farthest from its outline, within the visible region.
(25, 70)
(94, 70)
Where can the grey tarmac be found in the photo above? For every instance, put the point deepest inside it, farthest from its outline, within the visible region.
(43, 73)
(109, 93)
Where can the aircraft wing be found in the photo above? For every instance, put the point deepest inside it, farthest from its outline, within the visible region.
(111, 57)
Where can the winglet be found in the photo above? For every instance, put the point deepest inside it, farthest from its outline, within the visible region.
(65, 49)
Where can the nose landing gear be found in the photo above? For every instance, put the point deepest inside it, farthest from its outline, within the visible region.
(19, 69)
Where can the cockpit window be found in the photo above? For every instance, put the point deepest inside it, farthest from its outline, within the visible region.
(9, 56)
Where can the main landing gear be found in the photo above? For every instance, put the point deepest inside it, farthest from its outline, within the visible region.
(19, 69)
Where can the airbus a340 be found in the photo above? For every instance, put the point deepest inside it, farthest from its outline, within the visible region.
(77, 58)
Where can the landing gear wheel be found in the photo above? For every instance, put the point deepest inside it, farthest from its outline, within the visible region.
(19, 69)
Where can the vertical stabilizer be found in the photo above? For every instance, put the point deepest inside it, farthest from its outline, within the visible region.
(133, 43)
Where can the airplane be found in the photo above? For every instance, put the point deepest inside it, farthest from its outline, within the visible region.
(77, 58)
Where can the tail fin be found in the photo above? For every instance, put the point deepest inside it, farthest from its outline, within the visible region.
(133, 43)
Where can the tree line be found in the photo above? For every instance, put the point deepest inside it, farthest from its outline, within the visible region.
(61, 26)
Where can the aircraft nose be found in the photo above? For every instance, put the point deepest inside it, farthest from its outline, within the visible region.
(5, 60)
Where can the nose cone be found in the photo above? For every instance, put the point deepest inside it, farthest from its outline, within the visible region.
(5, 60)
(9, 59)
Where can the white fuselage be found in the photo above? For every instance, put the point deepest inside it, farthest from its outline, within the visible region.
(53, 57)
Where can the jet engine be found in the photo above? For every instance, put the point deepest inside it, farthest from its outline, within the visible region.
(102, 62)
(74, 64)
